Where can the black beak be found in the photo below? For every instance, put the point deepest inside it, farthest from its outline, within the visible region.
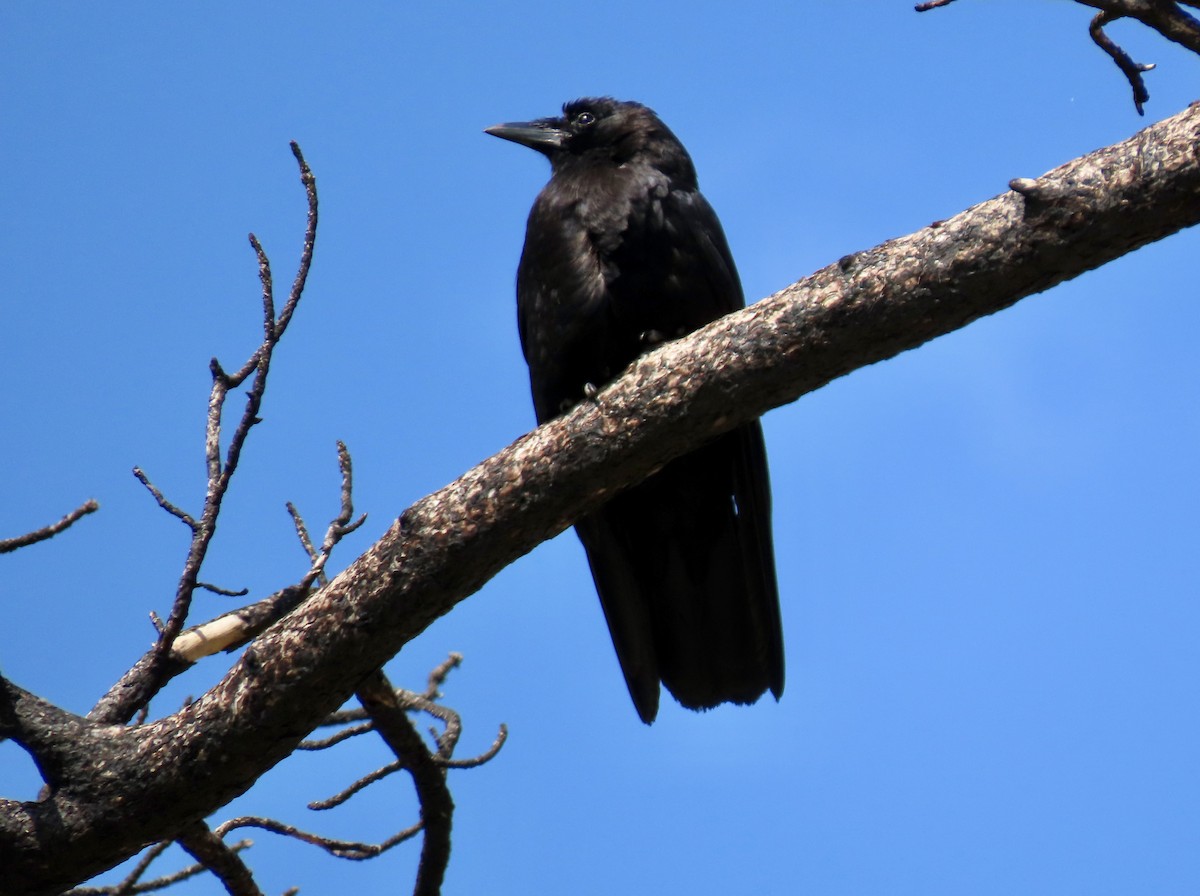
(544, 136)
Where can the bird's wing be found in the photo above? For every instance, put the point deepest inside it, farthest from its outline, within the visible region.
(561, 310)
(684, 562)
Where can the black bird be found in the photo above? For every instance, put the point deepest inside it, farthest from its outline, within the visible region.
(621, 251)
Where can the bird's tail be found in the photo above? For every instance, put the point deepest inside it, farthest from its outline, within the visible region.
(685, 568)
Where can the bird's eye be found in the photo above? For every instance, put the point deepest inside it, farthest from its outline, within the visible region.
(583, 119)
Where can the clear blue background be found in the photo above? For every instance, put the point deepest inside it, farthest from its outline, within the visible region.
(987, 547)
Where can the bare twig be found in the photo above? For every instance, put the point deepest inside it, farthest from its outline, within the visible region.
(130, 885)
(385, 711)
(342, 521)
(334, 739)
(448, 739)
(268, 297)
(343, 716)
(8, 545)
(1131, 70)
(302, 533)
(310, 239)
(475, 761)
(141, 867)
(162, 501)
(338, 528)
(343, 849)
(361, 784)
(411, 700)
(224, 592)
(438, 676)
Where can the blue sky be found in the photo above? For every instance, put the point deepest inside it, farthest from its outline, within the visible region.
(987, 547)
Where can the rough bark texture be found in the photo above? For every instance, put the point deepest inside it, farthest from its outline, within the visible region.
(114, 789)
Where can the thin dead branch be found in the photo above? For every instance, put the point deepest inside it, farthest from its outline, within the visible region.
(385, 710)
(361, 784)
(338, 528)
(161, 499)
(207, 848)
(378, 698)
(1132, 71)
(8, 545)
(342, 849)
(132, 884)
(334, 739)
(147, 676)
(438, 676)
(484, 757)
(231, 630)
(302, 534)
(223, 592)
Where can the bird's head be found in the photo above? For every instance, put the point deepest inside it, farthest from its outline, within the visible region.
(602, 130)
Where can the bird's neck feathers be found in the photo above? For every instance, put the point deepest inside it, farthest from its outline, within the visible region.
(641, 147)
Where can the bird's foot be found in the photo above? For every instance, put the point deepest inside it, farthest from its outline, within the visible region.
(590, 391)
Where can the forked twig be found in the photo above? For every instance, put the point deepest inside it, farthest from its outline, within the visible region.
(385, 711)
(339, 527)
(131, 883)
(138, 685)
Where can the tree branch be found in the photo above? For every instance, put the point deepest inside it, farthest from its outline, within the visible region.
(866, 308)
(353, 850)
(148, 675)
(1132, 70)
(378, 698)
(1167, 17)
(220, 858)
(1164, 16)
(233, 629)
(132, 883)
(8, 545)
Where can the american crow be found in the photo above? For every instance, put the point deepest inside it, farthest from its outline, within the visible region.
(621, 250)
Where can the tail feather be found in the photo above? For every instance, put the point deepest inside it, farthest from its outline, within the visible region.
(685, 569)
